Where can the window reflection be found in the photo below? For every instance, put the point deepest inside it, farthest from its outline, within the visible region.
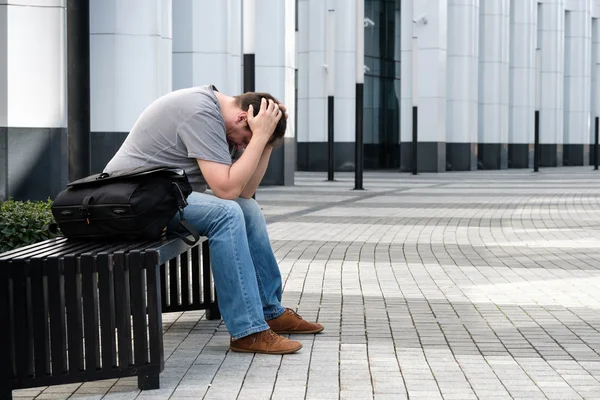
(382, 84)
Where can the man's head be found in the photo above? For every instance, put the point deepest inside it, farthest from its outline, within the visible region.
(244, 101)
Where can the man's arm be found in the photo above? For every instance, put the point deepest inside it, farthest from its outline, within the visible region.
(259, 173)
(228, 182)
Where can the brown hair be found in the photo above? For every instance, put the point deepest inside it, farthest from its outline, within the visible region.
(254, 98)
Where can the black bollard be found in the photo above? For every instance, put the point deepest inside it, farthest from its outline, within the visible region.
(596, 145)
(536, 145)
(330, 139)
(415, 139)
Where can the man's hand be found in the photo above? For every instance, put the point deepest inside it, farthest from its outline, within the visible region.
(283, 110)
(276, 143)
(263, 125)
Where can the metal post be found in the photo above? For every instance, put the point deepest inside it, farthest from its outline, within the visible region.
(596, 144)
(358, 150)
(330, 139)
(536, 146)
(78, 88)
(415, 139)
(360, 79)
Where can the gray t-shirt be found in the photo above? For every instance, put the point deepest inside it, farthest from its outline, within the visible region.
(175, 130)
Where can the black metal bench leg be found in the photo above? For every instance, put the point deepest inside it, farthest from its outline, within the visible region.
(5, 394)
(213, 313)
(149, 382)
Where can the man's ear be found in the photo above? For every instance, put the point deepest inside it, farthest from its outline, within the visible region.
(241, 117)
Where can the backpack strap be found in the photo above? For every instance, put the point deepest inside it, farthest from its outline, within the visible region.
(181, 204)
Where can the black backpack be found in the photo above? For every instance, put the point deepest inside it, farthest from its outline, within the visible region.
(126, 204)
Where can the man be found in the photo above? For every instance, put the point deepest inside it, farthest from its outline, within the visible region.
(225, 142)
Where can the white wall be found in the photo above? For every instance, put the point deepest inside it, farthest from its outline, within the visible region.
(130, 59)
(32, 63)
(275, 58)
(207, 44)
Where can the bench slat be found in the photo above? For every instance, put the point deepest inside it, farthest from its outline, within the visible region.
(22, 330)
(106, 291)
(5, 334)
(138, 309)
(74, 313)
(164, 268)
(173, 283)
(196, 295)
(206, 275)
(57, 318)
(153, 271)
(90, 313)
(185, 278)
(39, 303)
(123, 310)
(35, 246)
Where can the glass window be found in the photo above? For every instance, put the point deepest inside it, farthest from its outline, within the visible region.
(382, 84)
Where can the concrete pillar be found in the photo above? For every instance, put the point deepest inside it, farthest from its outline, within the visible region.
(430, 29)
(523, 34)
(577, 75)
(312, 84)
(493, 84)
(275, 74)
(463, 54)
(595, 77)
(130, 66)
(406, 87)
(207, 47)
(551, 35)
(33, 136)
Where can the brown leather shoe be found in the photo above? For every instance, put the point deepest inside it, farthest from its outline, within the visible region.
(291, 322)
(266, 342)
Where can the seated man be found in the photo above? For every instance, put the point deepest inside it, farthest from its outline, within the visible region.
(225, 142)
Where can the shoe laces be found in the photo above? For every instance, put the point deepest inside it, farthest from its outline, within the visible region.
(270, 336)
(294, 313)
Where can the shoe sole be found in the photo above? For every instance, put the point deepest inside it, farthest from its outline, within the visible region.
(299, 332)
(265, 352)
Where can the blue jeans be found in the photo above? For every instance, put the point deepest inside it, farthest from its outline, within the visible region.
(246, 274)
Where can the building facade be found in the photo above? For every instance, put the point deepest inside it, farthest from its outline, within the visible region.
(475, 70)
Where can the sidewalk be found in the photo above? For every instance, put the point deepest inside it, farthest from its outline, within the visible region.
(475, 285)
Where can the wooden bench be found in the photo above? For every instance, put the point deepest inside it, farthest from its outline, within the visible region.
(79, 311)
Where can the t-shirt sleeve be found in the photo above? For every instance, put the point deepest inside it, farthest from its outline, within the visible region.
(203, 136)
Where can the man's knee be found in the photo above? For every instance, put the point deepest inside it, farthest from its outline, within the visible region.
(249, 206)
(231, 210)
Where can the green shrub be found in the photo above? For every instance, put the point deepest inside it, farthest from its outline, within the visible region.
(23, 223)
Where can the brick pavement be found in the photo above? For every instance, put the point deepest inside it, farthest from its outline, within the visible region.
(477, 285)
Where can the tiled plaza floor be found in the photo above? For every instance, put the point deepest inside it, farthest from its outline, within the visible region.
(475, 285)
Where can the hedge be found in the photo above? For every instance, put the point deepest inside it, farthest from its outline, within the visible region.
(23, 223)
